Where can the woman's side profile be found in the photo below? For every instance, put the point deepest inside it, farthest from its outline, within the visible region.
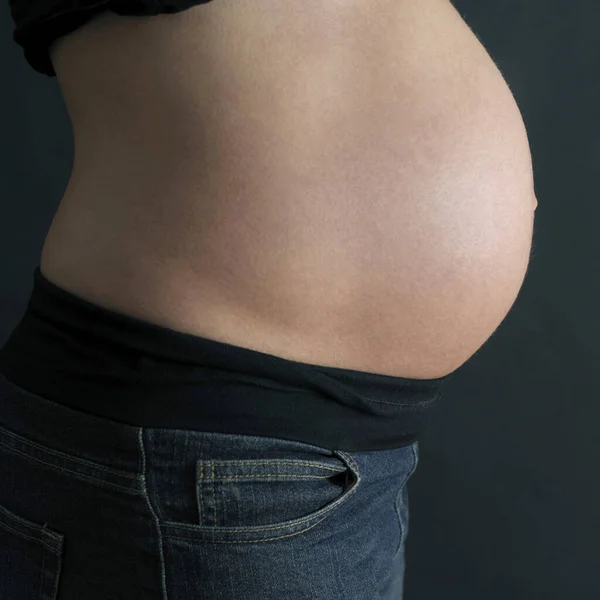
(286, 226)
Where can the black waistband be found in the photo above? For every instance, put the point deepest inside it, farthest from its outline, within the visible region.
(81, 355)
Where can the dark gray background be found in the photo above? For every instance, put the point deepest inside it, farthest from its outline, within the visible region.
(505, 503)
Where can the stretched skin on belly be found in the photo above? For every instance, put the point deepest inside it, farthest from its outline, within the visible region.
(340, 184)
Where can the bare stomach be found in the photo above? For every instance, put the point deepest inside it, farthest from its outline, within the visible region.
(343, 184)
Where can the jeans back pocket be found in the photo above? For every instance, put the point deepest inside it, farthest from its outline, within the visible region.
(30, 559)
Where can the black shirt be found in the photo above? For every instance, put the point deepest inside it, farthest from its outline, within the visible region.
(38, 23)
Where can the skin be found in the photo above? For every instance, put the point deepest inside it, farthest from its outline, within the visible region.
(341, 183)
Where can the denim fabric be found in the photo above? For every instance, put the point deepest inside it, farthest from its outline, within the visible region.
(93, 509)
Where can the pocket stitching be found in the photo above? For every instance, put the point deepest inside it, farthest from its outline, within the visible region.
(195, 530)
(43, 530)
(30, 537)
(175, 537)
(266, 461)
(49, 575)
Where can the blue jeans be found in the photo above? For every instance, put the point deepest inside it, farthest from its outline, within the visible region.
(92, 509)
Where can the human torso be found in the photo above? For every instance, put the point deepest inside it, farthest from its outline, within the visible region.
(339, 183)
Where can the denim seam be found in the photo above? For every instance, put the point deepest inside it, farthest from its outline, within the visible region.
(29, 537)
(293, 463)
(278, 526)
(153, 513)
(64, 455)
(73, 473)
(398, 496)
(267, 475)
(175, 537)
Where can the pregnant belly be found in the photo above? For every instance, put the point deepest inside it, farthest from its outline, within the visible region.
(345, 185)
